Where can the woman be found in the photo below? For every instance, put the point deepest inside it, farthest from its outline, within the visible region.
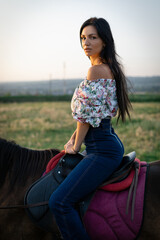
(94, 103)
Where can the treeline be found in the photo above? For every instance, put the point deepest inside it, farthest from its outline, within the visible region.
(53, 98)
(139, 85)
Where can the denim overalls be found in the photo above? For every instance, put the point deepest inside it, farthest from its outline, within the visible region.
(104, 155)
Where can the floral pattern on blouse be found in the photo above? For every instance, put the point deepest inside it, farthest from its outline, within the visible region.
(94, 100)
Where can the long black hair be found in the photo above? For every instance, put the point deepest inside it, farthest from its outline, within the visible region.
(109, 56)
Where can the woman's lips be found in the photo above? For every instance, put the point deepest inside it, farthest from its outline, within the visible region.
(87, 49)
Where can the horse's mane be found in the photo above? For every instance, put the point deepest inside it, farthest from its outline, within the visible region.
(18, 163)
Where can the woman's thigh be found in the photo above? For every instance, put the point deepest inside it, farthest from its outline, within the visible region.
(85, 178)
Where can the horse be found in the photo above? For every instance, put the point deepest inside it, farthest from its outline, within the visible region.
(20, 167)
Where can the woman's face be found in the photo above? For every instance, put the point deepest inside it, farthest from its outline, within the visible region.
(91, 42)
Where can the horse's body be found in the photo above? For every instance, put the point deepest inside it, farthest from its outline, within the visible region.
(20, 167)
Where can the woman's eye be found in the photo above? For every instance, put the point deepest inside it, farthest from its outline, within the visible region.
(93, 37)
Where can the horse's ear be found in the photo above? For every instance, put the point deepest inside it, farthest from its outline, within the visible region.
(13, 142)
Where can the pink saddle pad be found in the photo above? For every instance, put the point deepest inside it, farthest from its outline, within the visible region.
(106, 216)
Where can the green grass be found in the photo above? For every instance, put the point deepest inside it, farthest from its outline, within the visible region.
(145, 97)
(41, 125)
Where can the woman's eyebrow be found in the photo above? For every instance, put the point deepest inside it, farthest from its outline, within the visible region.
(91, 34)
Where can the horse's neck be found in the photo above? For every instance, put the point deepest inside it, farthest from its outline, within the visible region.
(16, 195)
(25, 167)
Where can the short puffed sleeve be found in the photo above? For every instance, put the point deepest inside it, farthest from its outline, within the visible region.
(94, 100)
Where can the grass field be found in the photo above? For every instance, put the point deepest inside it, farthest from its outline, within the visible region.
(42, 125)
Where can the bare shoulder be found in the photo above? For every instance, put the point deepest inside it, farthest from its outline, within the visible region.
(99, 71)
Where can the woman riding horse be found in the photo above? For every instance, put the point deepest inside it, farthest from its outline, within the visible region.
(94, 103)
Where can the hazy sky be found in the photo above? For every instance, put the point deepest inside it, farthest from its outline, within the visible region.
(39, 39)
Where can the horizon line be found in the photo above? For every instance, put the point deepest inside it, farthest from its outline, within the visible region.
(65, 79)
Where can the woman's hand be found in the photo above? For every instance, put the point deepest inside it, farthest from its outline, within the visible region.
(69, 149)
(75, 142)
(70, 142)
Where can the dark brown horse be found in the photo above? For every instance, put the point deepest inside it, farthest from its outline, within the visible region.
(20, 167)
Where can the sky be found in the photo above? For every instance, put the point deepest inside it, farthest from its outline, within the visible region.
(39, 39)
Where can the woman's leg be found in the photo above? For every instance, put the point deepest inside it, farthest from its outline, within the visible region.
(85, 178)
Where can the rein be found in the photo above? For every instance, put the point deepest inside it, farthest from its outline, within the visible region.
(25, 206)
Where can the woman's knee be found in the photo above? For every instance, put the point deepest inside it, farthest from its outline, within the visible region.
(54, 203)
(58, 206)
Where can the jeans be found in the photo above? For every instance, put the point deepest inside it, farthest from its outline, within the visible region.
(104, 155)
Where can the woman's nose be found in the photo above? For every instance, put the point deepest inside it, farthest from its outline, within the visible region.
(86, 42)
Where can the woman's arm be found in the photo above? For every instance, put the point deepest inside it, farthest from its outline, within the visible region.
(71, 140)
(81, 131)
(73, 136)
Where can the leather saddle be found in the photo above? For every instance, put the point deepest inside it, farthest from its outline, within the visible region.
(69, 161)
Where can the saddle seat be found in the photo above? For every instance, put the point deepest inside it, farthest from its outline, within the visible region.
(123, 176)
(127, 163)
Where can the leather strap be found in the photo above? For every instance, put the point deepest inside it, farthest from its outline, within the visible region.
(133, 188)
(25, 206)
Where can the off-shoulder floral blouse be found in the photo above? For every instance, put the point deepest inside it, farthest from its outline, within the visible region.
(94, 100)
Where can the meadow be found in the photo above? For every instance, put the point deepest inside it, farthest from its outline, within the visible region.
(42, 125)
